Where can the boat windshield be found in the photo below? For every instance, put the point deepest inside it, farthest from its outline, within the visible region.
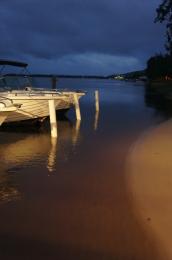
(13, 76)
(14, 82)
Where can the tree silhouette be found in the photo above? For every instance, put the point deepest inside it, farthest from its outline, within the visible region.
(164, 14)
(159, 67)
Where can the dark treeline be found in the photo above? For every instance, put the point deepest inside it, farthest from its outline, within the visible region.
(159, 67)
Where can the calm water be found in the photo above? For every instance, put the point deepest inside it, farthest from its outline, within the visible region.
(69, 199)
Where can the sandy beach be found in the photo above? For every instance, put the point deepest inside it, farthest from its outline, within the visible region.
(149, 178)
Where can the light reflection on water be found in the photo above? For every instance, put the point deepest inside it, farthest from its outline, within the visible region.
(29, 150)
(68, 198)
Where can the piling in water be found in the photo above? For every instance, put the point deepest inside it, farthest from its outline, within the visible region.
(97, 100)
(53, 121)
(53, 82)
(77, 108)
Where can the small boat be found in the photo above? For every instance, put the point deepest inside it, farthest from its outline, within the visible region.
(27, 102)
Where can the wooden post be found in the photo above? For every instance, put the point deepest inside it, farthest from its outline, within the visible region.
(53, 121)
(97, 100)
(77, 108)
(53, 80)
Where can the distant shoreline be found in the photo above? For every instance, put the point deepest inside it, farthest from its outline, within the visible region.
(56, 76)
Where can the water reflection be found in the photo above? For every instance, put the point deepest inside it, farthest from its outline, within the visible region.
(20, 151)
(8, 189)
(52, 155)
(76, 132)
(96, 120)
(159, 102)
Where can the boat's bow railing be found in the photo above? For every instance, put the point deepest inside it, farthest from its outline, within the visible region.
(42, 90)
(60, 92)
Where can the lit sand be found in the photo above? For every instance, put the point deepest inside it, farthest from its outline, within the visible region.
(149, 176)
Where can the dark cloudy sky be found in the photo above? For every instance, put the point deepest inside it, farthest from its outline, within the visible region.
(80, 36)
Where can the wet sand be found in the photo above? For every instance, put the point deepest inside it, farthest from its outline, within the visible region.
(149, 176)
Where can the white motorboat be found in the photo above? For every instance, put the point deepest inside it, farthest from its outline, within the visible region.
(30, 103)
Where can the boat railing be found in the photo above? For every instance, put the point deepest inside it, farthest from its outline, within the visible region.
(60, 92)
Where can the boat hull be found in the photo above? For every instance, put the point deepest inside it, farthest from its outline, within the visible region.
(5, 112)
(35, 107)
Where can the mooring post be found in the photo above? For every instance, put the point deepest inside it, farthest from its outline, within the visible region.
(77, 108)
(97, 100)
(53, 80)
(53, 121)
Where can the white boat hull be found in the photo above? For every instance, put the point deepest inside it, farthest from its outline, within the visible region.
(30, 109)
(5, 112)
(35, 105)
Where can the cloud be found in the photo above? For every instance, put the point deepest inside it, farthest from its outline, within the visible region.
(55, 31)
(88, 63)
